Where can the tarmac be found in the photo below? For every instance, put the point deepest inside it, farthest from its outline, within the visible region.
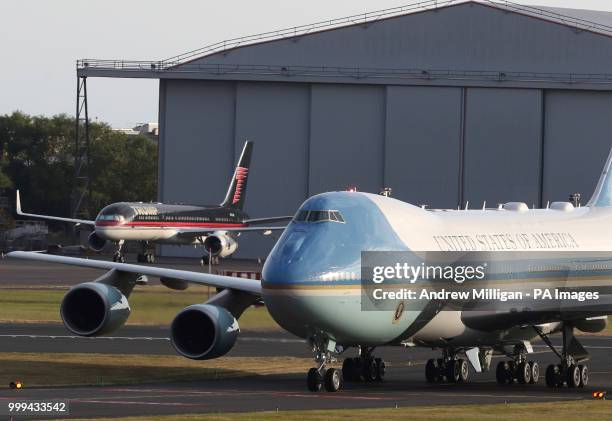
(404, 385)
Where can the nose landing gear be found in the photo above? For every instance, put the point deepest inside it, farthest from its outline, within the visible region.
(320, 376)
(118, 256)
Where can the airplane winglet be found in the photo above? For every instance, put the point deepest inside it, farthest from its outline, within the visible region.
(603, 192)
(20, 212)
(18, 204)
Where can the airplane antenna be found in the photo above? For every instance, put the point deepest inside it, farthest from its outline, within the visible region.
(548, 204)
(500, 206)
(484, 205)
(467, 204)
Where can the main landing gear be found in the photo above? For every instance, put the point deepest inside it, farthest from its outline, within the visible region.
(144, 256)
(518, 369)
(449, 368)
(118, 256)
(364, 367)
(569, 371)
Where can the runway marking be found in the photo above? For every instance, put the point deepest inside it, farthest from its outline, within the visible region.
(137, 402)
(586, 346)
(281, 340)
(133, 338)
(129, 338)
(177, 393)
(344, 395)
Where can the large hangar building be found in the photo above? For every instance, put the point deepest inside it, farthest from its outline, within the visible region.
(445, 102)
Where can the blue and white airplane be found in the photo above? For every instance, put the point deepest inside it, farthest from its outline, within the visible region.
(312, 286)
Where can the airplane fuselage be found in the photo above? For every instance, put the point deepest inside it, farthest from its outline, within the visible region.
(312, 278)
(161, 223)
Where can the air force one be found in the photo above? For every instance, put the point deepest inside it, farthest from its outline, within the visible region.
(214, 227)
(312, 287)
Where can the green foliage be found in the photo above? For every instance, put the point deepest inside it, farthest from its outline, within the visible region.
(37, 156)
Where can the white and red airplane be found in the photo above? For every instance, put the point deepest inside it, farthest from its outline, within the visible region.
(215, 227)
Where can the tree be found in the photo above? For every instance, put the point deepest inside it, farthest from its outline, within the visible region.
(37, 156)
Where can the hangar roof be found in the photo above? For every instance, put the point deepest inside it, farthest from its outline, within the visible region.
(443, 41)
(595, 16)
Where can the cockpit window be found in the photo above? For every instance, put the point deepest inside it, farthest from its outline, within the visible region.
(118, 218)
(301, 216)
(318, 216)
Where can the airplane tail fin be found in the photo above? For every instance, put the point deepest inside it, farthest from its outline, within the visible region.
(236, 193)
(603, 192)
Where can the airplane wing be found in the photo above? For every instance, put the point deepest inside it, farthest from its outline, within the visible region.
(270, 220)
(194, 232)
(506, 319)
(52, 218)
(240, 284)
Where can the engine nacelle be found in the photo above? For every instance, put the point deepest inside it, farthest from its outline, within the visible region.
(204, 332)
(220, 244)
(96, 242)
(592, 325)
(93, 309)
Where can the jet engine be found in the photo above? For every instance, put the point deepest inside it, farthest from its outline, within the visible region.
(94, 308)
(96, 242)
(220, 244)
(204, 332)
(592, 325)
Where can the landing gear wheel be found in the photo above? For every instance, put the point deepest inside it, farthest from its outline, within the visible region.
(573, 376)
(453, 371)
(348, 370)
(535, 372)
(502, 373)
(333, 380)
(523, 373)
(560, 378)
(463, 369)
(442, 368)
(431, 371)
(381, 369)
(584, 375)
(370, 370)
(553, 376)
(314, 380)
(357, 369)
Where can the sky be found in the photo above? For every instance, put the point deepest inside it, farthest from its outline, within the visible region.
(40, 40)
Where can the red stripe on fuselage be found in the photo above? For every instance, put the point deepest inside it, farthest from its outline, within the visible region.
(162, 224)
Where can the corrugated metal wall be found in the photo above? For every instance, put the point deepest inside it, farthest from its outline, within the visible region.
(434, 146)
(441, 143)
